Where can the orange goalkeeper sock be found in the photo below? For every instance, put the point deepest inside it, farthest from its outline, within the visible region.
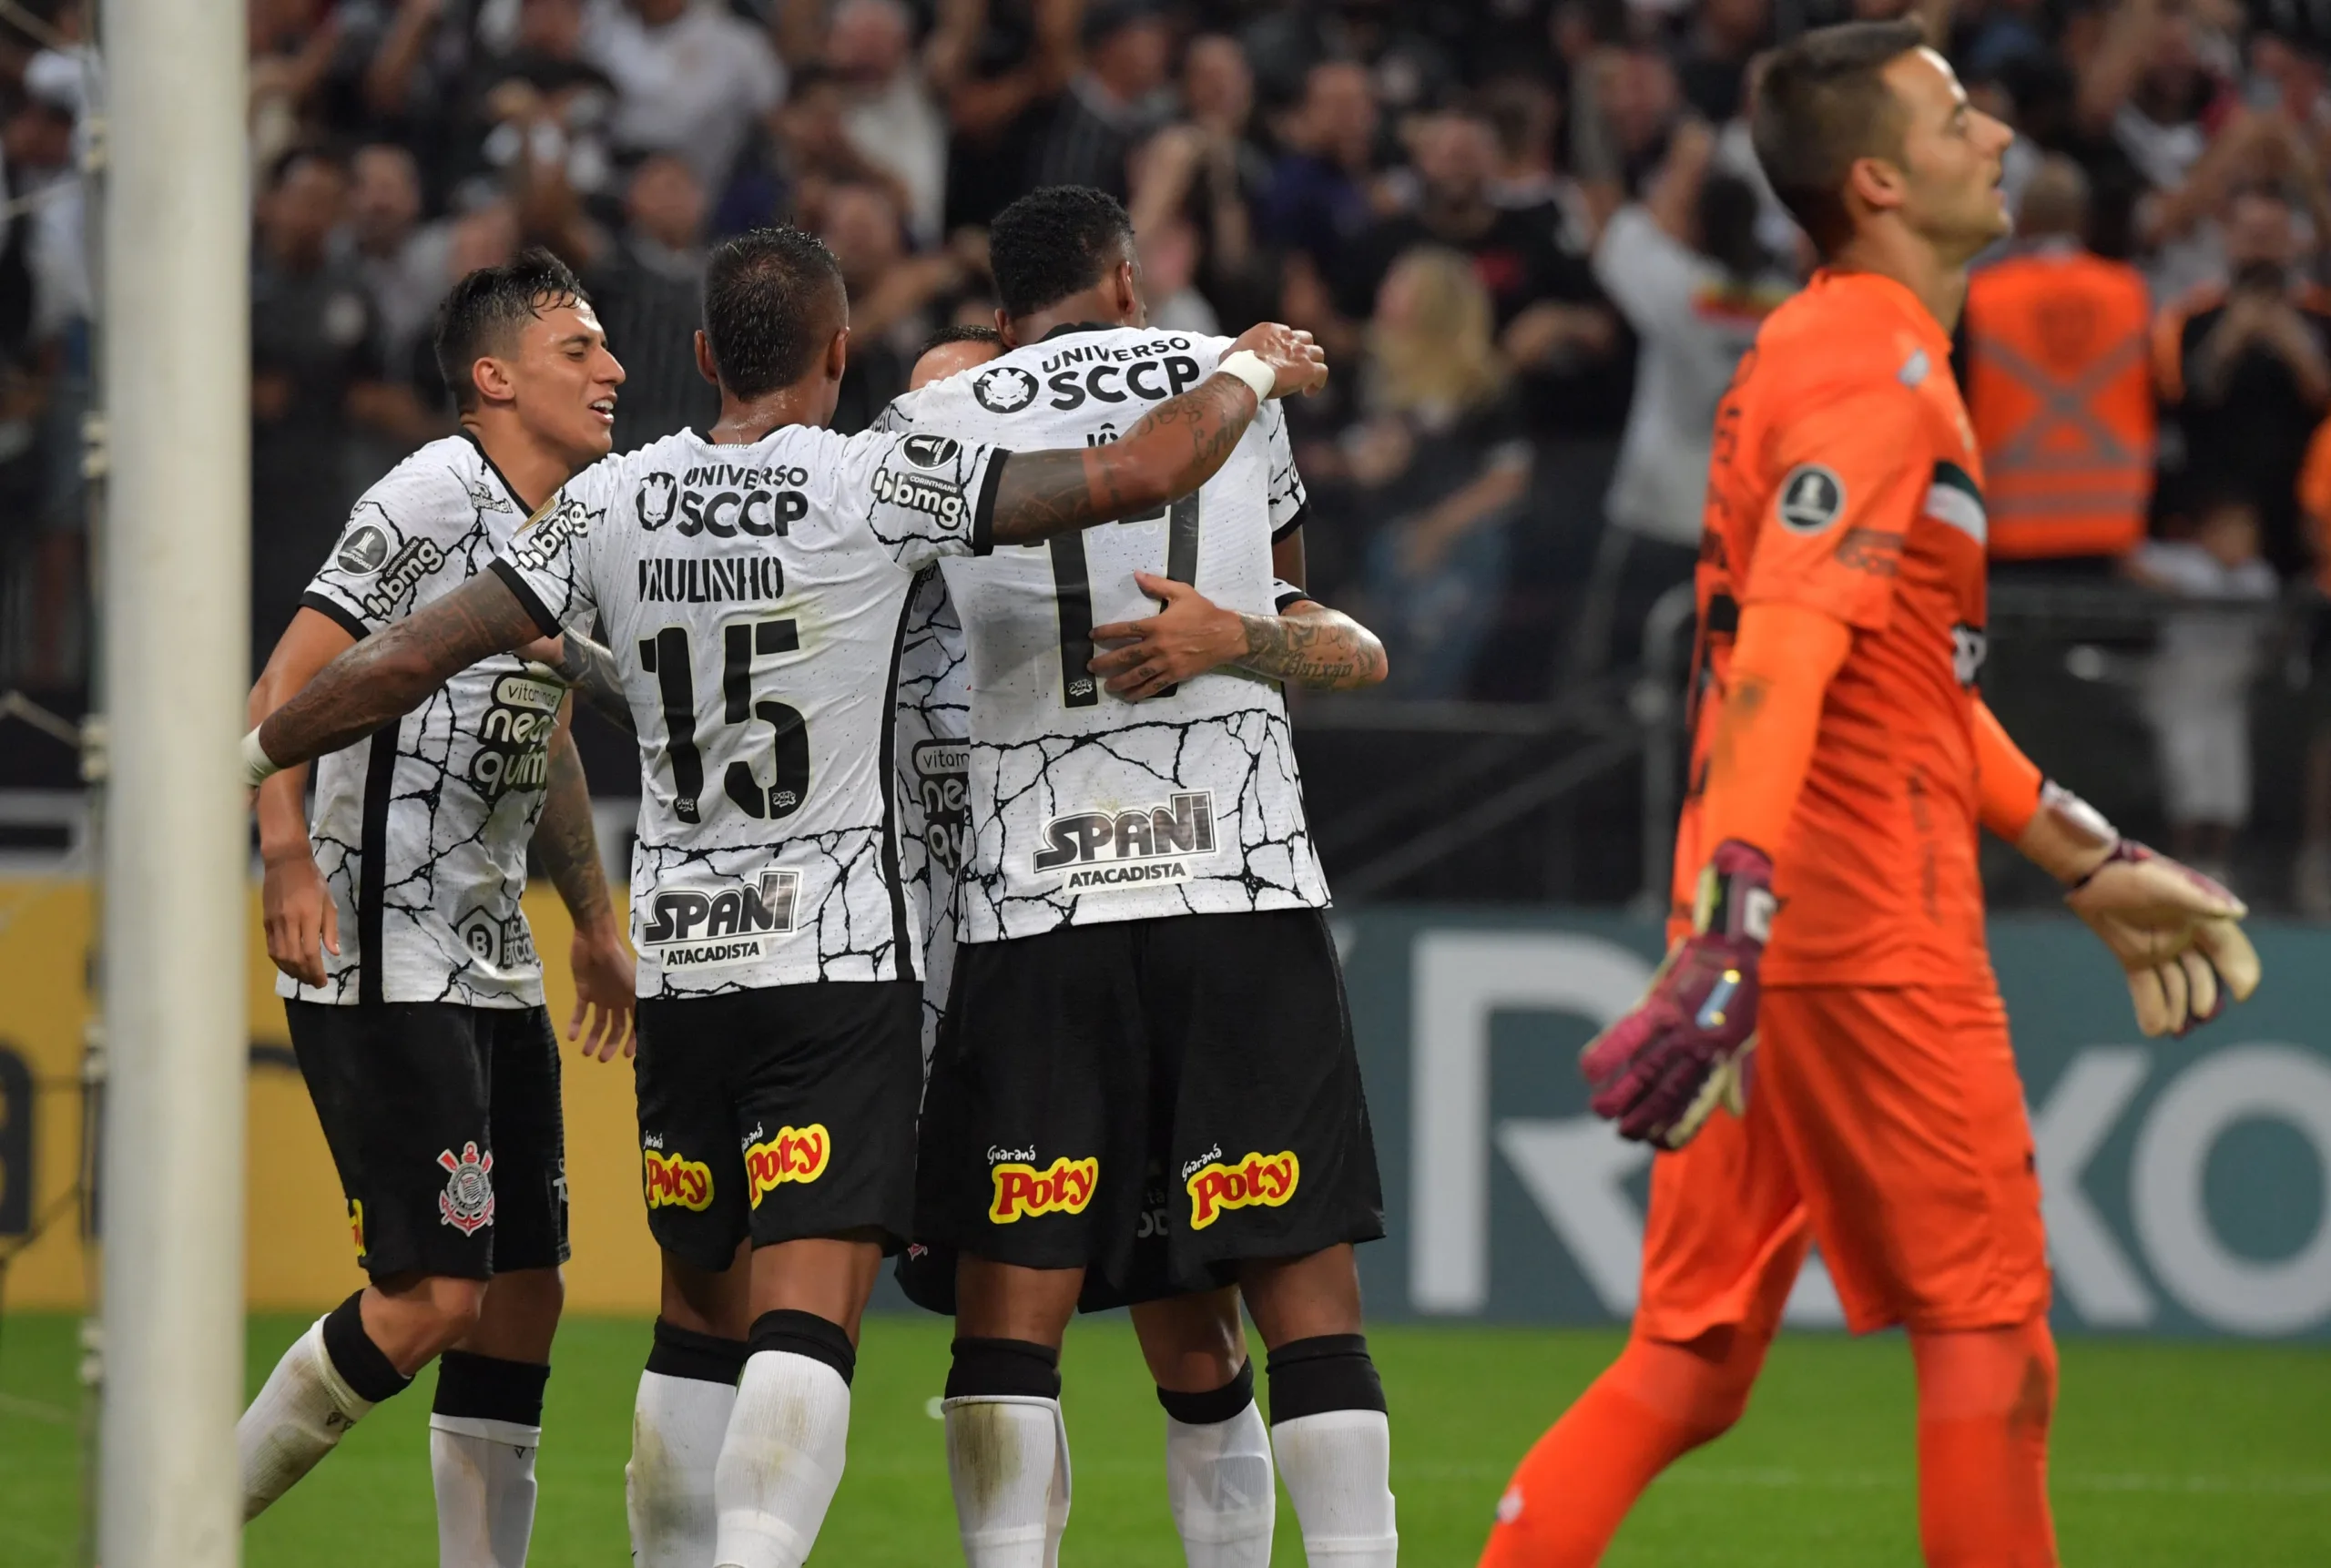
(1655, 1404)
(1985, 1398)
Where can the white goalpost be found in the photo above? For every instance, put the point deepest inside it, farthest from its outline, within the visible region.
(175, 586)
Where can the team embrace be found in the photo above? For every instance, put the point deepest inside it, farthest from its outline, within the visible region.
(962, 747)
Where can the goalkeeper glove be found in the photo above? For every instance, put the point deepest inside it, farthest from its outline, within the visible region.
(2176, 932)
(1663, 1069)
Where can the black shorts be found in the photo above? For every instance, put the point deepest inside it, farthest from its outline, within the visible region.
(780, 1112)
(1154, 1099)
(443, 1123)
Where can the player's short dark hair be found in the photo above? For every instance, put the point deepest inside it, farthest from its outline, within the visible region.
(1821, 105)
(483, 312)
(1054, 243)
(961, 333)
(764, 293)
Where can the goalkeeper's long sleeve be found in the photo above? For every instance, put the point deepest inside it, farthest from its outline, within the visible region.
(2010, 781)
(1782, 658)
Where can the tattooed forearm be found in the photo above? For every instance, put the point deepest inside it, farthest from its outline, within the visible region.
(1178, 446)
(1316, 648)
(564, 839)
(388, 675)
(592, 671)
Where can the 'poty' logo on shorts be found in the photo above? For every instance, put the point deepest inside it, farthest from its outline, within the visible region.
(1023, 1191)
(674, 1181)
(356, 1225)
(1265, 1179)
(796, 1154)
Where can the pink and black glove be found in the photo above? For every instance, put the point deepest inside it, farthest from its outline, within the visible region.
(1663, 1069)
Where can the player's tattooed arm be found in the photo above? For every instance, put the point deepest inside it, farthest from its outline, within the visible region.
(388, 673)
(567, 845)
(1312, 646)
(592, 671)
(1174, 449)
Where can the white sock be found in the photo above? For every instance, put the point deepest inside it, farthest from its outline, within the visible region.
(1338, 1468)
(1218, 1483)
(298, 1417)
(781, 1461)
(1007, 1460)
(678, 1425)
(485, 1476)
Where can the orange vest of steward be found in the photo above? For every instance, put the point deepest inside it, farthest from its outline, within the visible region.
(2060, 389)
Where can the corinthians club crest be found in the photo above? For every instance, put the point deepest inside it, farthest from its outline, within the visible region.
(1004, 390)
(467, 1202)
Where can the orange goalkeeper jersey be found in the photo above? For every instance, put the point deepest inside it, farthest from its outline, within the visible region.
(1846, 479)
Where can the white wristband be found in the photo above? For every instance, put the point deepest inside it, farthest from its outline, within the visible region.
(1248, 367)
(257, 766)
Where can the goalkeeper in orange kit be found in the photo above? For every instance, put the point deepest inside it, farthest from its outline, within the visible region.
(1843, 764)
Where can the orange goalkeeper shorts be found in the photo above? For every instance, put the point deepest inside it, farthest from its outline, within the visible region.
(1889, 1125)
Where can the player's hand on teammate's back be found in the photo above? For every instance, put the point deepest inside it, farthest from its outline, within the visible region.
(1191, 635)
(1301, 364)
(2176, 932)
(301, 919)
(1662, 1070)
(607, 997)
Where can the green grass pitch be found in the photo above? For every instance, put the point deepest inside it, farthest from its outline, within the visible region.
(2165, 1454)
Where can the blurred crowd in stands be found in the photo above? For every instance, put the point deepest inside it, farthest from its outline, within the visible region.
(1532, 232)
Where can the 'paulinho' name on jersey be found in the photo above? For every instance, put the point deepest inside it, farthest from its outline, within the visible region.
(421, 831)
(1085, 807)
(756, 598)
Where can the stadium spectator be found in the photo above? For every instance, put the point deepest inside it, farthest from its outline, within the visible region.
(891, 115)
(2247, 369)
(401, 261)
(315, 353)
(1000, 92)
(542, 99)
(1114, 104)
(1686, 268)
(1323, 192)
(691, 77)
(2059, 388)
(648, 286)
(1439, 465)
(1711, 66)
(2196, 684)
(894, 297)
(1202, 176)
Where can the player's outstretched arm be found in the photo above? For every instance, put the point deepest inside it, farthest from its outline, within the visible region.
(1307, 644)
(566, 841)
(1178, 446)
(302, 920)
(388, 673)
(2178, 935)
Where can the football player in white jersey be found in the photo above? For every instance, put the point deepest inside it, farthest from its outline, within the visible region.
(410, 980)
(1147, 1072)
(754, 587)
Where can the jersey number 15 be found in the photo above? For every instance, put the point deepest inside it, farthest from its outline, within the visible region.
(667, 657)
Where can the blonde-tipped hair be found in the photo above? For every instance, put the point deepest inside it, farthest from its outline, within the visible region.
(1445, 355)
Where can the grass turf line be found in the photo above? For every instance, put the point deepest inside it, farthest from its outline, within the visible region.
(2165, 1454)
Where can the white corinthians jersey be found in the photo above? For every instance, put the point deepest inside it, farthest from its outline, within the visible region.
(421, 831)
(935, 720)
(756, 598)
(1085, 807)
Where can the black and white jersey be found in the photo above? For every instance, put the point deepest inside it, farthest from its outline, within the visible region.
(756, 598)
(935, 721)
(1085, 807)
(421, 831)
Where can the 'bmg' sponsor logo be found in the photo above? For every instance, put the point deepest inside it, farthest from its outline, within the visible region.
(1023, 1191)
(704, 928)
(674, 1181)
(1265, 1179)
(404, 571)
(1146, 846)
(796, 1154)
(941, 498)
